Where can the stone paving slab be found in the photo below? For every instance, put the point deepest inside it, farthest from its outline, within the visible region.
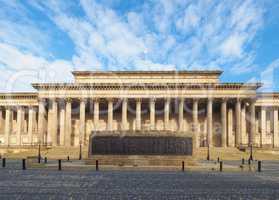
(86, 184)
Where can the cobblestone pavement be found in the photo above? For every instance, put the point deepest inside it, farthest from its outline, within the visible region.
(85, 184)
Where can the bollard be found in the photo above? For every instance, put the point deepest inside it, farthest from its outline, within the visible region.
(259, 166)
(97, 165)
(45, 159)
(68, 158)
(221, 166)
(4, 162)
(23, 164)
(59, 165)
(183, 166)
(243, 161)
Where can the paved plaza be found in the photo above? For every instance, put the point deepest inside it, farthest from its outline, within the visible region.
(89, 184)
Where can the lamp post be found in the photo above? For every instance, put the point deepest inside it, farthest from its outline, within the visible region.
(80, 154)
(251, 152)
(208, 152)
(39, 153)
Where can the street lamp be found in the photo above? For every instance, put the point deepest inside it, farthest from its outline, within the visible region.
(80, 154)
(251, 152)
(208, 153)
(39, 153)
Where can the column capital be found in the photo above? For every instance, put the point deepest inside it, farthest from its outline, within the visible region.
(53, 99)
(96, 99)
(238, 99)
(225, 99)
(110, 99)
(32, 107)
(82, 99)
(7, 107)
(138, 99)
(195, 99)
(68, 100)
(152, 99)
(167, 99)
(19, 107)
(210, 99)
(41, 100)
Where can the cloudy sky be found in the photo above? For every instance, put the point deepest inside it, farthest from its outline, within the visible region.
(43, 41)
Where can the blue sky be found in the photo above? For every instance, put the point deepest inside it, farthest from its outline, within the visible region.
(43, 41)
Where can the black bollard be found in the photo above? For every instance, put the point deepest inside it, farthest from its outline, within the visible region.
(68, 158)
(259, 166)
(221, 166)
(45, 159)
(3, 162)
(59, 165)
(183, 166)
(97, 165)
(23, 164)
(243, 161)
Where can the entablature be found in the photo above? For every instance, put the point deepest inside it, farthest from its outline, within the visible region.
(19, 99)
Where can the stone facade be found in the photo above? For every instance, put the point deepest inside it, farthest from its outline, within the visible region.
(180, 103)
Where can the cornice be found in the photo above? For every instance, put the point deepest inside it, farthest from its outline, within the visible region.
(194, 72)
(154, 86)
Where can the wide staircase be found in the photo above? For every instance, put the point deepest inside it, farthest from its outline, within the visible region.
(49, 152)
(232, 153)
(140, 160)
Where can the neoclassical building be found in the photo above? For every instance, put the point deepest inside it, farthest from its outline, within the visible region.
(176, 103)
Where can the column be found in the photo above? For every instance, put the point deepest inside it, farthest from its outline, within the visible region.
(62, 123)
(238, 122)
(54, 122)
(196, 122)
(152, 113)
(209, 122)
(68, 122)
(230, 128)
(180, 114)
(96, 113)
(124, 114)
(275, 128)
(252, 123)
(243, 125)
(41, 121)
(82, 121)
(138, 114)
(263, 125)
(110, 115)
(224, 122)
(49, 122)
(30, 124)
(19, 125)
(167, 113)
(1, 120)
(8, 124)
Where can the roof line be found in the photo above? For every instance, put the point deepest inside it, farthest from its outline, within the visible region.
(219, 72)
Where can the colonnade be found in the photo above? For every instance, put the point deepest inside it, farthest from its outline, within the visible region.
(54, 121)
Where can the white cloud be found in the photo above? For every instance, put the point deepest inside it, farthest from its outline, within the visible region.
(233, 46)
(267, 77)
(179, 33)
(20, 69)
(159, 35)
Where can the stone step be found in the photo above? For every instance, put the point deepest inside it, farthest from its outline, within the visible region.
(123, 160)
